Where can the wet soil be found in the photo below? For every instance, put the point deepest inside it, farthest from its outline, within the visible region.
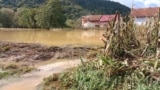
(34, 54)
(32, 80)
(28, 52)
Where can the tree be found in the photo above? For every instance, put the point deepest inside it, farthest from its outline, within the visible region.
(1, 19)
(51, 15)
(25, 17)
(6, 17)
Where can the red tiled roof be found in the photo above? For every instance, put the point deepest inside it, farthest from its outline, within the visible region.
(97, 18)
(105, 18)
(92, 17)
(144, 12)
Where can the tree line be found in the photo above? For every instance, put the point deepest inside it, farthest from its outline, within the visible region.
(49, 15)
(53, 13)
(20, 3)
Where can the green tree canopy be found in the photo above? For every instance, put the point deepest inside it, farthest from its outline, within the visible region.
(25, 17)
(6, 17)
(51, 15)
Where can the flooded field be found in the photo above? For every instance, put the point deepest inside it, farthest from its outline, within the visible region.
(31, 47)
(53, 37)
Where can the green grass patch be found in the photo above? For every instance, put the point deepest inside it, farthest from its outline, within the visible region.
(10, 69)
(107, 75)
(4, 75)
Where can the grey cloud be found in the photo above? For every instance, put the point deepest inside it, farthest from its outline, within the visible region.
(152, 5)
(139, 4)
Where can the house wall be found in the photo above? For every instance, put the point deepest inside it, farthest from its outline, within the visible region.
(94, 24)
(88, 25)
(140, 20)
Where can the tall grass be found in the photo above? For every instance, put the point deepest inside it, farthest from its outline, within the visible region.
(108, 75)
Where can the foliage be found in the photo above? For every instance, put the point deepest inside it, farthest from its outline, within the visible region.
(6, 17)
(110, 75)
(21, 3)
(74, 9)
(51, 15)
(10, 69)
(25, 17)
(4, 75)
(102, 6)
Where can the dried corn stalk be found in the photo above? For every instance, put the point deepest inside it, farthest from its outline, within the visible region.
(152, 27)
(120, 38)
(158, 41)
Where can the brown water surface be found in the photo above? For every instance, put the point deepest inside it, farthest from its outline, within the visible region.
(53, 37)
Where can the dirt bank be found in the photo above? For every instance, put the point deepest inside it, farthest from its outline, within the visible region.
(31, 81)
(27, 52)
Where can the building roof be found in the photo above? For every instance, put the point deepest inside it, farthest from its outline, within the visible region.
(145, 12)
(98, 18)
(105, 18)
(92, 17)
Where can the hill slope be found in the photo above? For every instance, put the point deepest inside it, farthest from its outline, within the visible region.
(74, 8)
(77, 8)
(20, 3)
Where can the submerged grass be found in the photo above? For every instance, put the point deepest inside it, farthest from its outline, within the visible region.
(108, 75)
(10, 69)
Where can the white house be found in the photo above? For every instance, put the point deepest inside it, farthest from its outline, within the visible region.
(142, 14)
(99, 21)
(88, 25)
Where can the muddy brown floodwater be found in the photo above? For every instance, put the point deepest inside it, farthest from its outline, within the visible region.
(53, 37)
(31, 80)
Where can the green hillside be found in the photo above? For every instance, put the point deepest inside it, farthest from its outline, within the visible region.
(33, 13)
(20, 3)
(74, 8)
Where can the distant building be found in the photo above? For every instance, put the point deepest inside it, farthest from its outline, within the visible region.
(99, 21)
(142, 14)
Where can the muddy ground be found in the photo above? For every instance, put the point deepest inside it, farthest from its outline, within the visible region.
(18, 59)
(27, 52)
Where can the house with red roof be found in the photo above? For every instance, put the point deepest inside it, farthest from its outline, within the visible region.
(100, 21)
(142, 14)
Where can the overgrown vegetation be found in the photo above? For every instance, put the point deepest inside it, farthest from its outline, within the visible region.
(49, 15)
(10, 69)
(112, 75)
(130, 61)
(20, 3)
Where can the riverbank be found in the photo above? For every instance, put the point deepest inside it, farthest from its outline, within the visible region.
(32, 80)
(33, 53)
(52, 29)
(27, 60)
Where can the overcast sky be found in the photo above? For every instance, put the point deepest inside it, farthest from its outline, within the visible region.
(139, 3)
